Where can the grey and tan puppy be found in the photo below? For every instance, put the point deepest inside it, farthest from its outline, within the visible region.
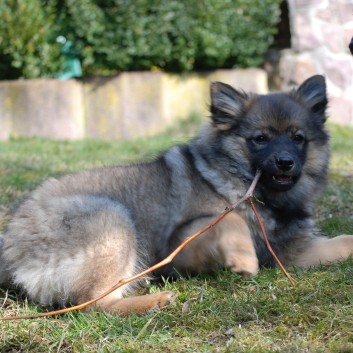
(74, 237)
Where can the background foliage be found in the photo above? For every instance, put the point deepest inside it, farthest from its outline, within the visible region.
(121, 35)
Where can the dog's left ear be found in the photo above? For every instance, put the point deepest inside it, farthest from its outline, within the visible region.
(313, 93)
(227, 105)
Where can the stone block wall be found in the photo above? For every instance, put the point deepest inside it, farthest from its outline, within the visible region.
(320, 33)
(125, 106)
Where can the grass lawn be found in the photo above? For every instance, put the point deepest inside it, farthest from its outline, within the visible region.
(220, 312)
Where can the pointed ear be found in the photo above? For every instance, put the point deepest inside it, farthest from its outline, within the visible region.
(227, 104)
(313, 93)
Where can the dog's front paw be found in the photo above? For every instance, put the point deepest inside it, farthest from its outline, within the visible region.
(164, 299)
(241, 263)
(346, 248)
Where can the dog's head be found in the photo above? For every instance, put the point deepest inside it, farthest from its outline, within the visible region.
(281, 134)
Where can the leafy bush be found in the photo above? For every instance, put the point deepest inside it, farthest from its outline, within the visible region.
(26, 36)
(121, 35)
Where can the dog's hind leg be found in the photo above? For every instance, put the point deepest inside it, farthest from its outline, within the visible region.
(228, 243)
(74, 248)
(115, 303)
(113, 254)
(321, 250)
(103, 271)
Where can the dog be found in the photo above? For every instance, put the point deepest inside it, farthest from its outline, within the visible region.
(76, 236)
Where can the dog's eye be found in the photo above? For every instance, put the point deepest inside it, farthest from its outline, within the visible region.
(260, 139)
(298, 138)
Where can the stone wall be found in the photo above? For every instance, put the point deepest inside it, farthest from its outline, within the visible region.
(43, 108)
(320, 33)
(125, 106)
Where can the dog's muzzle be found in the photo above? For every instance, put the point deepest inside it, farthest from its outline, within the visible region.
(282, 172)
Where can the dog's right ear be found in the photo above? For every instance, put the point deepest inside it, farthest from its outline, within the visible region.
(227, 105)
(313, 93)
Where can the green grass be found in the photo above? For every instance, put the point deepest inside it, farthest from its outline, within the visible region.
(221, 312)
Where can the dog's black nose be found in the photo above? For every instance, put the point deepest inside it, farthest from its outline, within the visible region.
(284, 162)
(351, 46)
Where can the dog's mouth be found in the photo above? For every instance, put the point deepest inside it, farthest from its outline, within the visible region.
(280, 182)
(283, 179)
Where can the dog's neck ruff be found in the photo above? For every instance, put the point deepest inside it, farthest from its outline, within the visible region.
(223, 185)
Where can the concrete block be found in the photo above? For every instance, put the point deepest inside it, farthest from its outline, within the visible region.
(124, 106)
(6, 107)
(253, 80)
(42, 108)
(184, 95)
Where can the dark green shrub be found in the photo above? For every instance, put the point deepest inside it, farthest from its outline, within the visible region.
(27, 45)
(122, 35)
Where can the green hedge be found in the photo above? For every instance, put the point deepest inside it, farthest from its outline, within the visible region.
(27, 39)
(124, 35)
